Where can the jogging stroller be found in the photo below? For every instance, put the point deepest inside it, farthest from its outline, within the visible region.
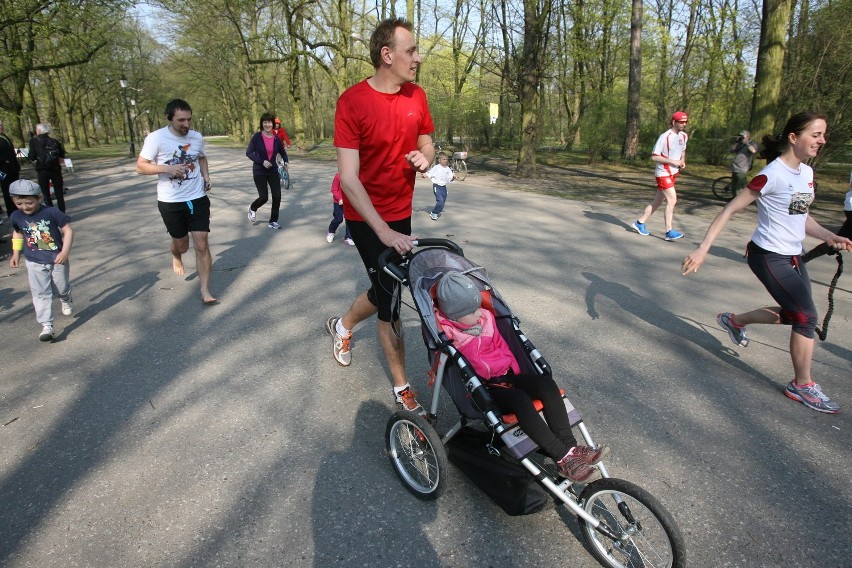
(622, 523)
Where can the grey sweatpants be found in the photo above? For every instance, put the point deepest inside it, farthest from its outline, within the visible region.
(44, 279)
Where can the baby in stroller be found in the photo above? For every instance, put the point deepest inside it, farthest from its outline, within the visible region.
(474, 334)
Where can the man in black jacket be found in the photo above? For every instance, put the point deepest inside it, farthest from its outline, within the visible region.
(47, 154)
(9, 169)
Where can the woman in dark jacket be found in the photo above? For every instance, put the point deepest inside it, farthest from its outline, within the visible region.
(263, 149)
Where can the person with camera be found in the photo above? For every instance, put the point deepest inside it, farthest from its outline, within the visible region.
(744, 151)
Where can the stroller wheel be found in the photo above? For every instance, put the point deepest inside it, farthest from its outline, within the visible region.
(417, 454)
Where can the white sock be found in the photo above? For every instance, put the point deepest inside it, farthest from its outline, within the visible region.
(341, 331)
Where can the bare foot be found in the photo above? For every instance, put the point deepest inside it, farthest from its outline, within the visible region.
(177, 265)
(208, 299)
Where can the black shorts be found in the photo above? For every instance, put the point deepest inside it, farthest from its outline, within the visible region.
(370, 247)
(183, 217)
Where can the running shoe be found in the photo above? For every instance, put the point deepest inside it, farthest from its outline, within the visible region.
(735, 332)
(349, 242)
(812, 397)
(673, 235)
(67, 307)
(340, 345)
(433, 216)
(589, 455)
(252, 215)
(329, 238)
(46, 333)
(575, 469)
(640, 228)
(274, 225)
(407, 400)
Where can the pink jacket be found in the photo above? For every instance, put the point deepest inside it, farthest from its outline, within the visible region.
(336, 192)
(487, 352)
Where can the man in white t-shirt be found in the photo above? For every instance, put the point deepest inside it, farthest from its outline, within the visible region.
(670, 155)
(175, 153)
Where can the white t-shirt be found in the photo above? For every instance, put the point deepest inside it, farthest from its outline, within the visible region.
(162, 147)
(782, 208)
(440, 175)
(671, 145)
(847, 204)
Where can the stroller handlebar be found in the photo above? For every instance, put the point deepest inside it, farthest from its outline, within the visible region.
(389, 257)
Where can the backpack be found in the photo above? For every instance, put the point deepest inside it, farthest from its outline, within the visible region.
(50, 153)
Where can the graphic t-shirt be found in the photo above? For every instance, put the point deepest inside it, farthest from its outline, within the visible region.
(383, 128)
(162, 147)
(42, 233)
(670, 145)
(782, 208)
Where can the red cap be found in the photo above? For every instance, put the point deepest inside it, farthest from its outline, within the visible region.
(278, 120)
(680, 116)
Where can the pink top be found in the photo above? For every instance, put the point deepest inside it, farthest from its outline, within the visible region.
(268, 141)
(487, 352)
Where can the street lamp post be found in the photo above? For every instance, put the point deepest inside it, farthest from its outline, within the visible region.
(124, 84)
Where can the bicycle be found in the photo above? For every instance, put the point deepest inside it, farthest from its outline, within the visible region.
(723, 188)
(457, 163)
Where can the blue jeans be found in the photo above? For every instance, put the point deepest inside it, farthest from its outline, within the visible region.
(440, 192)
(337, 219)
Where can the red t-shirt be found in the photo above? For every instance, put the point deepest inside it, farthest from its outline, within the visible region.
(383, 128)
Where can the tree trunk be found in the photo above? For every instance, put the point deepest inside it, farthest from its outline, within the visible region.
(770, 64)
(533, 63)
(634, 84)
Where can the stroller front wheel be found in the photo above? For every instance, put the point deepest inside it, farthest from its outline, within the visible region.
(417, 454)
(648, 536)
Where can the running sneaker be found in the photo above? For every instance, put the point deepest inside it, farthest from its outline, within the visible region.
(329, 238)
(589, 455)
(575, 469)
(340, 345)
(673, 235)
(46, 333)
(274, 225)
(407, 400)
(812, 396)
(737, 333)
(640, 228)
(252, 215)
(67, 307)
(349, 242)
(433, 216)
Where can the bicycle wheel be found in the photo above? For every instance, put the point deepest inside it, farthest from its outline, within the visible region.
(460, 169)
(722, 188)
(285, 178)
(648, 537)
(417, 454)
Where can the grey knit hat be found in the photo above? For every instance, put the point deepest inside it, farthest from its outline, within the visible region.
(457, 295)
(24, 187)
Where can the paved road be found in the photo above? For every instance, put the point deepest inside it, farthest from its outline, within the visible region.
(158, 432)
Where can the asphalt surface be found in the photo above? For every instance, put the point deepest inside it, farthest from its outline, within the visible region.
(156, 431)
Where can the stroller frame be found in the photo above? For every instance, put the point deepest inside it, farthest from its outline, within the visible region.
(623, 524)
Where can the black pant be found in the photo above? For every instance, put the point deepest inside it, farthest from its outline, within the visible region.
(44, 179)
(7, 199)
(274, 183)
(554, 436)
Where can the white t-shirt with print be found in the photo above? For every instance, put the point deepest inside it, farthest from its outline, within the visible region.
(163, 147)
(671, 145)
(782, 208)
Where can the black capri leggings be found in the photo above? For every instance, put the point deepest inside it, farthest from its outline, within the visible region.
(786, 279)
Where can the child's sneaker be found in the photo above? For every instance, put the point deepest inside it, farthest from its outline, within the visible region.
(252, 215)
(575, 469)
(340, 345)
(329, 238)
(407, 400)
(46, 333)
(736, 332)
(589, 455)
(673, 235)
(812, 396)
(640, 228)
(349, 242)
(67, 307)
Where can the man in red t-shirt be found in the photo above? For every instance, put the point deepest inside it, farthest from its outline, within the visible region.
(382, 132)
(281, 133)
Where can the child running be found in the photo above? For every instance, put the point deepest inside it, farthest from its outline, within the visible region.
(337, 213)
(441, 176)
(474, 334)
(44, 234)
